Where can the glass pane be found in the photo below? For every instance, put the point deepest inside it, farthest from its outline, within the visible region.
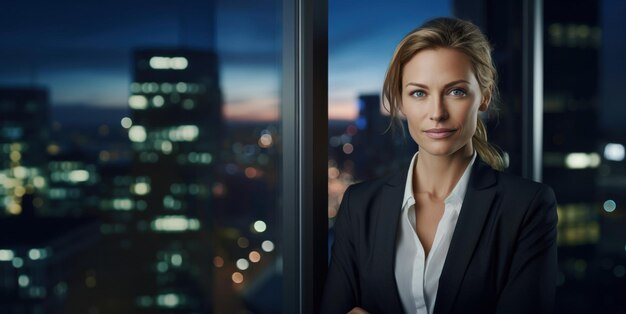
(584, 150)
(138, 157)
(583, 141)
(360, 47)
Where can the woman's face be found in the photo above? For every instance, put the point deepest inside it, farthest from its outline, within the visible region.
(440, 99)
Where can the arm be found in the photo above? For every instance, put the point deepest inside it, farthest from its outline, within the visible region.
(341, 289)
(531, 283)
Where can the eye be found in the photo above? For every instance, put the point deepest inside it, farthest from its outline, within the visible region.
(457, 92)
(418, 93)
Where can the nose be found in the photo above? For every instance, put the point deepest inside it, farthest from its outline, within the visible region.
(438, 111)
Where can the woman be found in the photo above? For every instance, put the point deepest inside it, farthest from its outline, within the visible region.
(450, 233)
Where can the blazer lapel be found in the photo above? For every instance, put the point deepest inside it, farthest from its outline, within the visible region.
(388, 217)
(476, 204)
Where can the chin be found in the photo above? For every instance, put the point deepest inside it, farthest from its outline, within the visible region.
(439, 149)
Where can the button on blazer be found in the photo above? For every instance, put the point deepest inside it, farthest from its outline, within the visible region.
(502, 256)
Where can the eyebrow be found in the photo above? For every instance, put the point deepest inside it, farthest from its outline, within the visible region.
(446, 86)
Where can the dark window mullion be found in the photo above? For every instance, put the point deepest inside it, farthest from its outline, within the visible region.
(304, 151)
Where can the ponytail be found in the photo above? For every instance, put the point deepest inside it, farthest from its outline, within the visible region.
(485, 150)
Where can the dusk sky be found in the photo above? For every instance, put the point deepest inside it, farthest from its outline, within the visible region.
(81, 51)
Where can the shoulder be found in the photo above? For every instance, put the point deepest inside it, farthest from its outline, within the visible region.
(374, 187)
(374, 197)
(523, 188)
(527, 202)
(510, 188)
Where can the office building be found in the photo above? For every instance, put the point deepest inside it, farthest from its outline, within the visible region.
(23, 157)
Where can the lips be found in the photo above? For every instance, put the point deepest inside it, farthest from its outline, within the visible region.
(439, 133)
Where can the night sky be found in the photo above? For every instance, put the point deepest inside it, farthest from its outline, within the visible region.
(81, 51)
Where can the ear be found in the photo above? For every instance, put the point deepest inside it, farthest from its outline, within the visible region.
(484, 105)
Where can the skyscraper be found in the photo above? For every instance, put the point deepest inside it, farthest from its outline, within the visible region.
(23, 157)
(174, 128)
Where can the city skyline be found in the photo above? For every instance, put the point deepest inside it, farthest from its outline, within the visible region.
(85, 59)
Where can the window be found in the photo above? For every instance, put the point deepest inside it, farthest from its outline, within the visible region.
(140, 157)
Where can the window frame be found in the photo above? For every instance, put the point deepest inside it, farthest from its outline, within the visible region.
(304, 121)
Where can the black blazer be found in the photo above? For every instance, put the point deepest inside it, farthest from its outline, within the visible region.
(502, 256)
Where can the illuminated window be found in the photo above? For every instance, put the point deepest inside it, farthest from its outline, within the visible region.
(158, 101)
(167, 63)
(140, 188)
(137, 133)
(175, 223)
(138, 102)
(6, 255)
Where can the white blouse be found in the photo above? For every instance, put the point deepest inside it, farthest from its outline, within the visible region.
(418, 279)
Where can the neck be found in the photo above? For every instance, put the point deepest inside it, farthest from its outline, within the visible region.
(437, 175)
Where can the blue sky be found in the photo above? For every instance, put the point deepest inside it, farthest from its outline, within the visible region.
(81, 50)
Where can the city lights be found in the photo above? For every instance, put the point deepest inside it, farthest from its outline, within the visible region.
(259, 226)
(348, 148)
(122, 204)
(158, 101)
(15, 156)
(20, 172)
(243, 264)
(138, 102)
(19, 191)
(175, 223)
(17, 262)
(176, 260)
(37, 254)
(166, 88)
(243, 242)
(137, 134)
(53, 149)
(6, 255)
(23, 281)
(162, 267)
(166, 147)
(218, 262)
(188, 104)
(614, 152)
(135, 87)
(169, 300)
(251, 172)
(149, 87)
(171, 203)
(267, 246)
(168, 63)
(265, 140)
(582, 160)
(254, 256)
(78, 175)
(141, 188)
(14, 209)
(609, 206)
(39, 182)
(237, 277)
(184, 133)
(202, 158)
(181, 87)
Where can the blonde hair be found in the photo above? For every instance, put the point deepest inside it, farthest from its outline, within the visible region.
(455, 34)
